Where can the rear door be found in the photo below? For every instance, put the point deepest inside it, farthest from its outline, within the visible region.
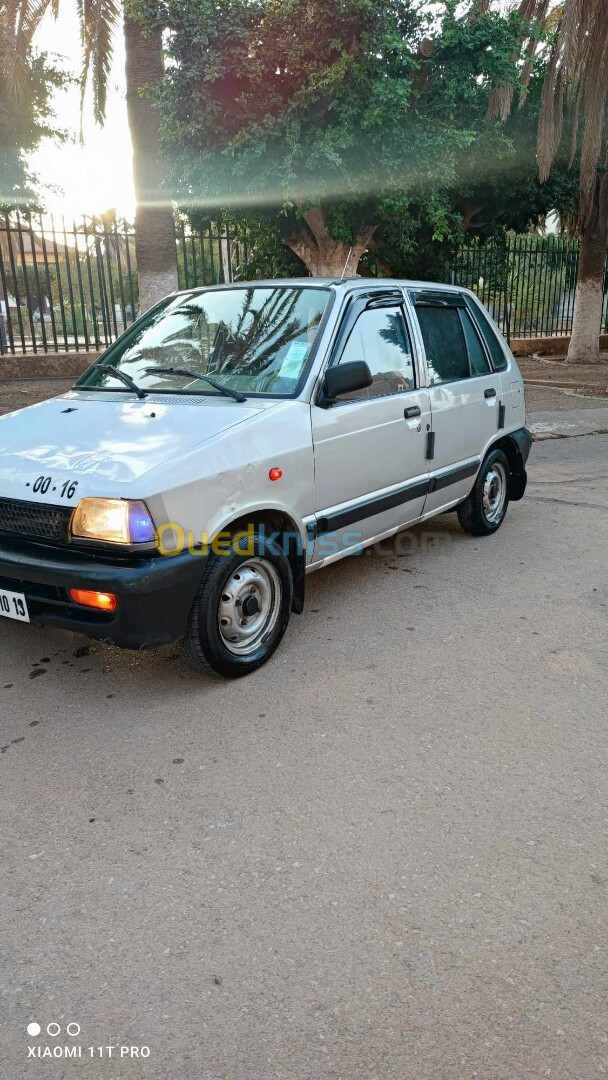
(502, 361)
(371, 472)
(465, 395)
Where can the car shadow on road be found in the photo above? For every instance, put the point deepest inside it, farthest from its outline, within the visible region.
(34, 654)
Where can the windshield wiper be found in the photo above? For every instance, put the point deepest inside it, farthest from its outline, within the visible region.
(197, 375)
(126, 379)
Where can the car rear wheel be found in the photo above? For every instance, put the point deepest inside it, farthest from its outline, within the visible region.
(483, 512)
(242, 608)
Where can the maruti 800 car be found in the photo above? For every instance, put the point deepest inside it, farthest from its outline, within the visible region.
(238, 437)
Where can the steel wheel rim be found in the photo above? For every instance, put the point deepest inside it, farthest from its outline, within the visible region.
(254, 581)
(494, 492)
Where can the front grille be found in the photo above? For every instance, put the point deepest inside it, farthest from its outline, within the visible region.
(19, 518)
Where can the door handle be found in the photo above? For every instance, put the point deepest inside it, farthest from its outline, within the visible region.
(414, 410)
(490, 392)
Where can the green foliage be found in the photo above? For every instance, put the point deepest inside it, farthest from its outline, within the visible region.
(26, 114)
(271, 107)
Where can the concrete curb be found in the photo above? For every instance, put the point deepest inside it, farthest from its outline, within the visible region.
(568, 425)
(560, 384)
(546, 346)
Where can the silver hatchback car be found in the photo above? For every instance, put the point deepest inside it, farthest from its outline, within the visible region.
(235, 439)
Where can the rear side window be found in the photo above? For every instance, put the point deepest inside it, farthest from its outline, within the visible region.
(499, 360)
(444, 343)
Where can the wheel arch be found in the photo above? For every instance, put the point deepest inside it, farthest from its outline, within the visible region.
(276, 520)
(517, 468)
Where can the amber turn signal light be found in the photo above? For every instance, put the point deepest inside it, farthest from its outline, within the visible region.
(103, 601)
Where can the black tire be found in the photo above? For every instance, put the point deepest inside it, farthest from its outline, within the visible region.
(206, 645)
(477, 514)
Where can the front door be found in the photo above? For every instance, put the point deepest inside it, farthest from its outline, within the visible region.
(370, 446)
(465, 395)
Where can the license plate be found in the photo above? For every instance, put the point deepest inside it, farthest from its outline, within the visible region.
(13, 605)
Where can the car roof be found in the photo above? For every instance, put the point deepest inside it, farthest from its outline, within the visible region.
(339, 284)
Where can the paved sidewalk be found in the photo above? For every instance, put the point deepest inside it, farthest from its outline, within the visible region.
(546, 424)
(558, 413)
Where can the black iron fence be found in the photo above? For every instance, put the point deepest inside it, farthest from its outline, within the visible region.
(71, 286)
(528, 283)
(67, 286)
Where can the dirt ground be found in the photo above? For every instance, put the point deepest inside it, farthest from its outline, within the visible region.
(17, 393)
(585, 379)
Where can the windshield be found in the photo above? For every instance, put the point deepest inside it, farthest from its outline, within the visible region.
(254, 340)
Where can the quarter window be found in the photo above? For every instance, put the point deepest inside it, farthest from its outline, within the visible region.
(499, 360)
(477, 356)
(380, 338)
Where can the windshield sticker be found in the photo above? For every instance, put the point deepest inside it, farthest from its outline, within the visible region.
(292, 363)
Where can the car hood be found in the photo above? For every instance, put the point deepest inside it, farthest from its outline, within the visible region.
(106, 440)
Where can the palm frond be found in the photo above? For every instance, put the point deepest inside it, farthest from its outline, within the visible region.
(500, 98)
(577, 76)
(16, 77)
(20, 20)
(98, 20)
(551, 118)
(33, 13)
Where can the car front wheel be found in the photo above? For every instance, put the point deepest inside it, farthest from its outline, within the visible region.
(241, 609)
(482, 513)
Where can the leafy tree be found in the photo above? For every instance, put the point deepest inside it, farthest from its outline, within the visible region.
(27, 80)
(352, 126)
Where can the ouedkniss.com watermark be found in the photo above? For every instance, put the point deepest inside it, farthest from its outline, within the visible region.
(173, 539)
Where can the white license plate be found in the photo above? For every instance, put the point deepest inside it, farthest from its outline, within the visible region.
(13, 605)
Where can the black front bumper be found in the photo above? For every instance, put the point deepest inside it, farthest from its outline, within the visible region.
(154, 592)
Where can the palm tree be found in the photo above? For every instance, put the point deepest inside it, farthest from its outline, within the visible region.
(155, 249)
(576, 83)
(577, 76)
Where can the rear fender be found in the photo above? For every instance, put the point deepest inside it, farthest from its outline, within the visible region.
(516, 446)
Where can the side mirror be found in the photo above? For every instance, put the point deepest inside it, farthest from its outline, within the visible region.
(344, 379)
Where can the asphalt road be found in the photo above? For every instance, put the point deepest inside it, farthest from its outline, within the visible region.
(383, 855)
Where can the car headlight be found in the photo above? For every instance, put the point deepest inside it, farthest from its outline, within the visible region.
(119, 521)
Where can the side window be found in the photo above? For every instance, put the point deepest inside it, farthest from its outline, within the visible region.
(444, 343)
(499, 360)
(477, 356)
(380, 338)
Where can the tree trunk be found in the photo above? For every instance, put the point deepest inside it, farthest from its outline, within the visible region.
(584, 345)
(322, 255)
(155, 249)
